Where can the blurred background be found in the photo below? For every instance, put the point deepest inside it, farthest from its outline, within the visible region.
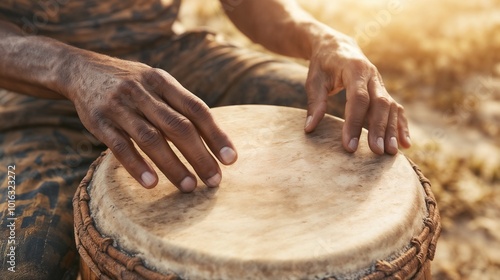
(441, 60)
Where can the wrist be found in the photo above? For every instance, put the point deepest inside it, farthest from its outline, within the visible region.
(45, 64)
(75, 73)
(68, 72)
(323, 37)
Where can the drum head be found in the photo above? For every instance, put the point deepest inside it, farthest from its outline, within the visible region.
(294, 205)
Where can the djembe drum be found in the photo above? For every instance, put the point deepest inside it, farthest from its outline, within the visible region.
(294, 206)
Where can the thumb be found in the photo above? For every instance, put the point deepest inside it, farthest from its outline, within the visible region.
(319, 86)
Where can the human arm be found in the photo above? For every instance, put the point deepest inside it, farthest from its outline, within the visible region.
(119, 100)
(336, 62)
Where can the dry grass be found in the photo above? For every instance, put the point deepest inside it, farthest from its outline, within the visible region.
(442, 60)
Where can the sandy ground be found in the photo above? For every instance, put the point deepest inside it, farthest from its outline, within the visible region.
(441, 59)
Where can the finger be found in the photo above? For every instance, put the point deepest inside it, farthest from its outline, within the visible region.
(380, 106)
(217, 140)
(198, 113)
(391, 132)
(357, 104)
(133, 97)
(153, 144)
(186, 138)
(403, 129)
(124, 151)
(317, 95)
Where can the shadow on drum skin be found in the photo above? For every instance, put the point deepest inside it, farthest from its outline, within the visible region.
(358, 177)
(170, 206)
(363, 163)
(180, 210)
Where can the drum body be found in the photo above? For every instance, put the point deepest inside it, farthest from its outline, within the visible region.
(294, 206)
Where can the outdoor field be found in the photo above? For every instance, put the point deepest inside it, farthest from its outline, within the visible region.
(441, 60)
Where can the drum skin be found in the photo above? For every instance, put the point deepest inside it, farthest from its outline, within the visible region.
(294, 206)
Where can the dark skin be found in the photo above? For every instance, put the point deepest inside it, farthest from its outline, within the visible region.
(119, 100)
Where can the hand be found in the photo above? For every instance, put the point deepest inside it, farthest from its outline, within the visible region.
(338, 63)
(121, 100)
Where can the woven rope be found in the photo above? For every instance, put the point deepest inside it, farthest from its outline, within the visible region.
(107, 262)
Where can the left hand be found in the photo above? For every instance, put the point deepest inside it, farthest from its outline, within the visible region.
(336, 62)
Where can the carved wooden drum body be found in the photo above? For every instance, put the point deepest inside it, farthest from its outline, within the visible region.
(294, 206)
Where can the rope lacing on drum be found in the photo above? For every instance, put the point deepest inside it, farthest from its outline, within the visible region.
(429, 223)
(385, 267)
(85, 197)
(422, 247)
(416, 243)
(95, 250)
(103, 246)
(133, 262)
(409, 264)
(429, 201)
(88, 221)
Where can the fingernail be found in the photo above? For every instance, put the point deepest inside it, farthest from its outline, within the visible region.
(188, 184)
(408, 140)
(393, 143)
(308, 121)
(228, 155)
(380, 144)
(148, 179)
(353, 144)
(214, 181)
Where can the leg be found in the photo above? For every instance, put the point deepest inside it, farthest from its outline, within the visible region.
(51, 152)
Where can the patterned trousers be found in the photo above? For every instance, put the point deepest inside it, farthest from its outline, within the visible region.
(47, 150)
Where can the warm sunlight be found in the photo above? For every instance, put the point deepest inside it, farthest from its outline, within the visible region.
(442, 60)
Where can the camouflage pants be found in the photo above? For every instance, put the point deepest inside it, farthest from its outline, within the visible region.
(43, 144)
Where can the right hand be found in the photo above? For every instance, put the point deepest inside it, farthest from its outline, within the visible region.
(120, 100)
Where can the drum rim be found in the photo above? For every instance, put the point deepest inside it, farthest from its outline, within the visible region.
(108, 261)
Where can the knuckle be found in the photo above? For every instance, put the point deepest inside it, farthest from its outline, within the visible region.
(149, 137)
(100, 116)
(104, 124)
(179, 125)
(364, 66)
(361, 98)
(128, 86)
(96, 113)
(360, 63)
(384, 102)
(113, 96)
(118, 146)
(129, 91)
(153, 77)
(196, 107)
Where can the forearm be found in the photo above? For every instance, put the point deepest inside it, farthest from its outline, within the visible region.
(280, 26)
(31, 65)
